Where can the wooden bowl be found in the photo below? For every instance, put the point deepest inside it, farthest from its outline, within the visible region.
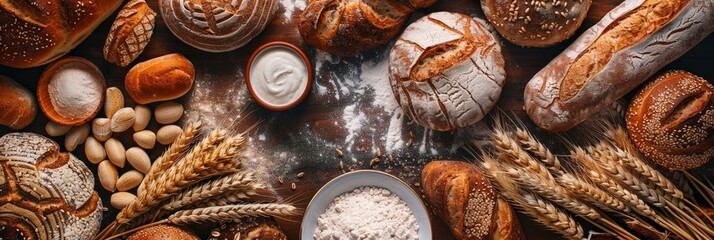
(44, 98)
(279, 44)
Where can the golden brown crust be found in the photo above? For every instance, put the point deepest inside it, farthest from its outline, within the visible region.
(18, 104)
(160, 79)
(130, 32)
(671, 120)
(164, 232)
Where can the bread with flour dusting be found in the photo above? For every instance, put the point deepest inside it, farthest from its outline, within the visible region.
(446, 71)
(629, 45)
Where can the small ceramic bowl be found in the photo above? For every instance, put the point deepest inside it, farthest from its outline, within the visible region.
(257, 54)
(362, 178)
(44, 97)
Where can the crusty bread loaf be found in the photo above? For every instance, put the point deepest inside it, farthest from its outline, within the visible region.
(159, 79)
(164, 232)
(446, 71)
(34, 32)
(130, 32)
(217, 25)
(671, 120)
(18, 104)
(536, 23)
(461, 195)
(630, 44)
(46, 194)
(349, 27)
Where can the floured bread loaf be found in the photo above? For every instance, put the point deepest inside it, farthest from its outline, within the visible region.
(446, 71)
(217, 25)
(45, 194)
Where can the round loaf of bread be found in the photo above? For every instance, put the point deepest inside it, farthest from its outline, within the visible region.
(215, 25)
(46, 194)
(34, 32)
(18, 104)
(163, 232)
(249, 228)
(536, 23)
(160, 79)
(349, 27)
(446, 71)
(671, 120)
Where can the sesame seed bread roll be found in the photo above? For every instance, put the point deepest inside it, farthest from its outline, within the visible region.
(629, 45)
(461, 195)
(671, 120)
(34, 32)
(164, 232)
(536, 23)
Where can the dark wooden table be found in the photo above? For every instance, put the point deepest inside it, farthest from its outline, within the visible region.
(343, 110)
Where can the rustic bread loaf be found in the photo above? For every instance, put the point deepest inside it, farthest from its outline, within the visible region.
(629, 45)
(216, 25)
(18, 104)
(160, 79)
(34, 32)
(671, 120)
(536, 23)
(446, 71)
(164, 232)
(46, 194)
(462, 196)
(349, 27)
(130, 33)
(250, 228)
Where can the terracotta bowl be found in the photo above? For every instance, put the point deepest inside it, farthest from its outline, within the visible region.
(43, 95)
(295, 49)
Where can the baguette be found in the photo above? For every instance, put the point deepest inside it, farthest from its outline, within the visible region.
(18, 105)
(629, 45)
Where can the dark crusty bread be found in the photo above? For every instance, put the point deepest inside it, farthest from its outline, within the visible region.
(671, 120)
(160, 79)
(461, 195)
(18, 104)
(536, 23)
(130, 32)
(630, 44)
(34, 32)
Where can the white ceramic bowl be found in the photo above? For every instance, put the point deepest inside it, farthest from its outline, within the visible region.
(362, 178)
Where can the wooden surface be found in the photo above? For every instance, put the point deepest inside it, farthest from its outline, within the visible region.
(309, 133)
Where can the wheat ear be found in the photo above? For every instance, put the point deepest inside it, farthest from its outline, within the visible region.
(239, 181)
(509, 150)
(531, 144)
(592, 194)
(163, 162)
(231, 212)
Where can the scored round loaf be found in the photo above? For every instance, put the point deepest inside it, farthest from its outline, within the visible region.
(349, 27)
(461, 195)
(215, 25)
(34, 32)
(18, 104)
(164, 232)
(671, 120)
(249, 228)
(46, 194)
(446, 71)
(536, 23)
(160, 79)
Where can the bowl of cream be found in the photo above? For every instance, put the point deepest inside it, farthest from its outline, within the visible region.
(278, 76)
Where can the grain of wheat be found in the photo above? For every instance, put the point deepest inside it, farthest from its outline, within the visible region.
(592, 194)
(239, 181)
(532, 145)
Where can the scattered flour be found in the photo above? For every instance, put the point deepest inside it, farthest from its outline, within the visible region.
(367, 213)
(291, 6)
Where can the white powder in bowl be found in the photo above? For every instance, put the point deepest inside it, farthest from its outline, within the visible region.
(75, 91)
(367, 213)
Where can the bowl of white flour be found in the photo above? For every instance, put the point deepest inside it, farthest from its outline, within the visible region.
(366, 204)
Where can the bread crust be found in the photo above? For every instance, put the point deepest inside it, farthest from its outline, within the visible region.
(18, 104)
(548, 105)
(160, 79)
(130, 33)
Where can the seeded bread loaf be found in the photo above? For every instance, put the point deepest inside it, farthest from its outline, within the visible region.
(446, 71)
(630, 44)
(461, 195)
(18, 104)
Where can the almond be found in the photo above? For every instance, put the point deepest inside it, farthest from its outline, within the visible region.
(167, 134)
(168, 112)
(107, 174)
(123, 120)
(145, 139)
(129, 180)
(120, 200)
(94, 150)
(138, 159)
(113, 102)
(76, 136)
(115, 152)
(100, 129)
(55, 130)
(143, 116)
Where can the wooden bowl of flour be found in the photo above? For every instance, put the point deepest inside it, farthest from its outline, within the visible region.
(71, 91)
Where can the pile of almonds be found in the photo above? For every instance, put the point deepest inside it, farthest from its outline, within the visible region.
(101, 148)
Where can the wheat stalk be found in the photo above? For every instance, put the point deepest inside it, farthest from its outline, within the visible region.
(592, 194)
(539, 150)
(237, 182)
(231, 212)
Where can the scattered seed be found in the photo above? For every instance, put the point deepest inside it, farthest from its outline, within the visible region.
(342, 166)
(374, 161)
(293, 186)
(379, 152)
(410, 143)
(301, 174)
(417, 184)
(339, 152)
(215, 234)
(280, 180)
(411, 134)
(390, 157)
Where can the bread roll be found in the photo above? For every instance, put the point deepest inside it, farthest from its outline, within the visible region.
(46, 194)
(130, 33)
(216, 25)
(346, 28)
(35, 32)
(461, 196)
(536, 23)
(164, 232)
(160, 79)
(249, 229)
(671, 120)
(18, 104)
(630, 44)
(446, 71)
